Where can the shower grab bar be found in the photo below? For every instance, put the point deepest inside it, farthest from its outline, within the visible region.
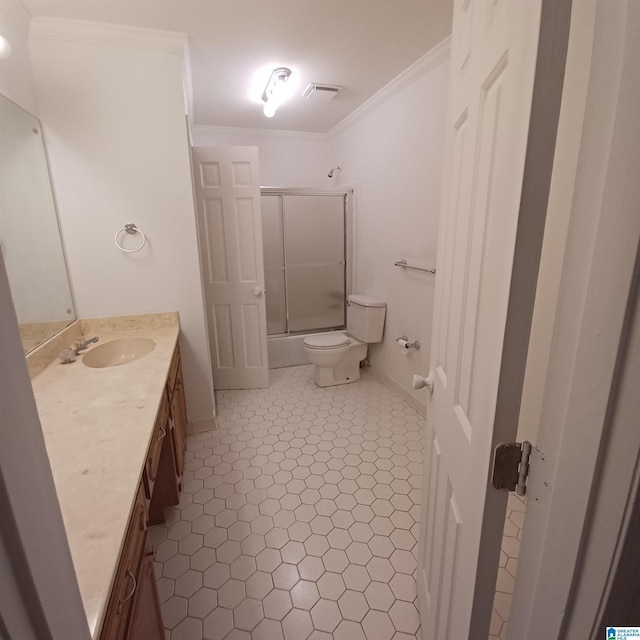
(403, 263)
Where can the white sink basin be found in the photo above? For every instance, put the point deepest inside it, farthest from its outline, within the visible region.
(117, 352)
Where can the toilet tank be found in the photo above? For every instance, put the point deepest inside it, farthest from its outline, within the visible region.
(365, 317)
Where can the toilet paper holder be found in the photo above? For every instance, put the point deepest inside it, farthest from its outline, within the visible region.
(404, 342)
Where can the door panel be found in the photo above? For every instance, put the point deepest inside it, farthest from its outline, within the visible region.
(214, 234)
(223, 328)
(230, 235)
(493, 56)
(246, 244)
(251, 327)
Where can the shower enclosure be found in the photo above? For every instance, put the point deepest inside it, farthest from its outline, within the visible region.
(305, 261)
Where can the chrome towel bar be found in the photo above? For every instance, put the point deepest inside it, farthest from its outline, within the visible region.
(403, 263)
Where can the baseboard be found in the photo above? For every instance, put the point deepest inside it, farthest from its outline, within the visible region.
(202, 425)
(388, 382)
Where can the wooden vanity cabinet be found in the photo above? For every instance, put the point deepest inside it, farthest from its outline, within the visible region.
(133, 611)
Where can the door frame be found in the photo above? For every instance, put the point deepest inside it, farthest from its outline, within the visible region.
(578, 524)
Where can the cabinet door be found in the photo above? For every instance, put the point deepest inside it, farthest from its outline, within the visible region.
(179, 415)
(126, 580)
(174, 367)
(155, 448)
(166, 488)
(145, 622)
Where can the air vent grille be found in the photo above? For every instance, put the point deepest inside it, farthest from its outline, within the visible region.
(321, 92)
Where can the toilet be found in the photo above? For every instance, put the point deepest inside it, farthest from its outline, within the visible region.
(337, 355)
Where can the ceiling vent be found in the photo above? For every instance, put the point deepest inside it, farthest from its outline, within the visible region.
(321, 92)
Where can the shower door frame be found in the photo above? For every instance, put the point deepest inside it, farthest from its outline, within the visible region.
(348, 194)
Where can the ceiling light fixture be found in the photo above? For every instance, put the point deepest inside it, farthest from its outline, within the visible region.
(275, 92)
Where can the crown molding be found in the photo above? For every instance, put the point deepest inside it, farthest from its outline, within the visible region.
(436, 56)
(114, 35)
(110, 34)
(257, 133)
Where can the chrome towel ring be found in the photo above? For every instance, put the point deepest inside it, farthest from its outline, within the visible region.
(132, 229)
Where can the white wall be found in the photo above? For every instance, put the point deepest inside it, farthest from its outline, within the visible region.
(392, 151)
(112, 108)
(287, 159)
(16, 80)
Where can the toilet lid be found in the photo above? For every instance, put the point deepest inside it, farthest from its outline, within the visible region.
(326, 340)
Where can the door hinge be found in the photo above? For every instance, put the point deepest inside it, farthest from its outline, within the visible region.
(511, 466)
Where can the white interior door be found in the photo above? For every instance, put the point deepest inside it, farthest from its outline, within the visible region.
(493, 63)
(230, 235)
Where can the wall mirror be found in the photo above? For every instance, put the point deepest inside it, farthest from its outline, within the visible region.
(29, 234)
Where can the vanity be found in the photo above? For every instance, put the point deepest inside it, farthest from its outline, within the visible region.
(115, 431)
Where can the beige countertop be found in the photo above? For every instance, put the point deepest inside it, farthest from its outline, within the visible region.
(97, 424)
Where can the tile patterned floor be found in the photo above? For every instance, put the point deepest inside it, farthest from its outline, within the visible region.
(511, 538)
(298, 517)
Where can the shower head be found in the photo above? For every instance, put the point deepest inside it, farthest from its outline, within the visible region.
(330, 174)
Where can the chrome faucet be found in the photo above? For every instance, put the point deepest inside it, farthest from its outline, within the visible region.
(81, 346)
(69, 355)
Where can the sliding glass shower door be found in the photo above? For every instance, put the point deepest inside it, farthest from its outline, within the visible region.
(305, 266)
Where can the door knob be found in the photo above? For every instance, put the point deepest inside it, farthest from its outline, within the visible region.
(257, 292)
(421, 381)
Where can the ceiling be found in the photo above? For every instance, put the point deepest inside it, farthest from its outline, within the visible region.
(360, 45)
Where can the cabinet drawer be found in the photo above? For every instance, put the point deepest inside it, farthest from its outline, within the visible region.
(125, 583)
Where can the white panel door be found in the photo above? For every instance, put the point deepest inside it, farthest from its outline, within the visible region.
(230, 235)
(493, 61)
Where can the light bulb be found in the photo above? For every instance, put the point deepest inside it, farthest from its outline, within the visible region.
(275, 92)
(5, 48)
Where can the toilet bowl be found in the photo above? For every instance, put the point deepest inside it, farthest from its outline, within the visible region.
(337, 355)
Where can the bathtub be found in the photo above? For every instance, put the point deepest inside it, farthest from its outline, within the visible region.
(287, 351)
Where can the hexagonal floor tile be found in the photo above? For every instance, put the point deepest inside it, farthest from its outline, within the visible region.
(298, 518)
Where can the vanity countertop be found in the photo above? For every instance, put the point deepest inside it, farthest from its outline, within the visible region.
(97, 425)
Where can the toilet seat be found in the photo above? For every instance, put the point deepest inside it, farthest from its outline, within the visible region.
(327, 341)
